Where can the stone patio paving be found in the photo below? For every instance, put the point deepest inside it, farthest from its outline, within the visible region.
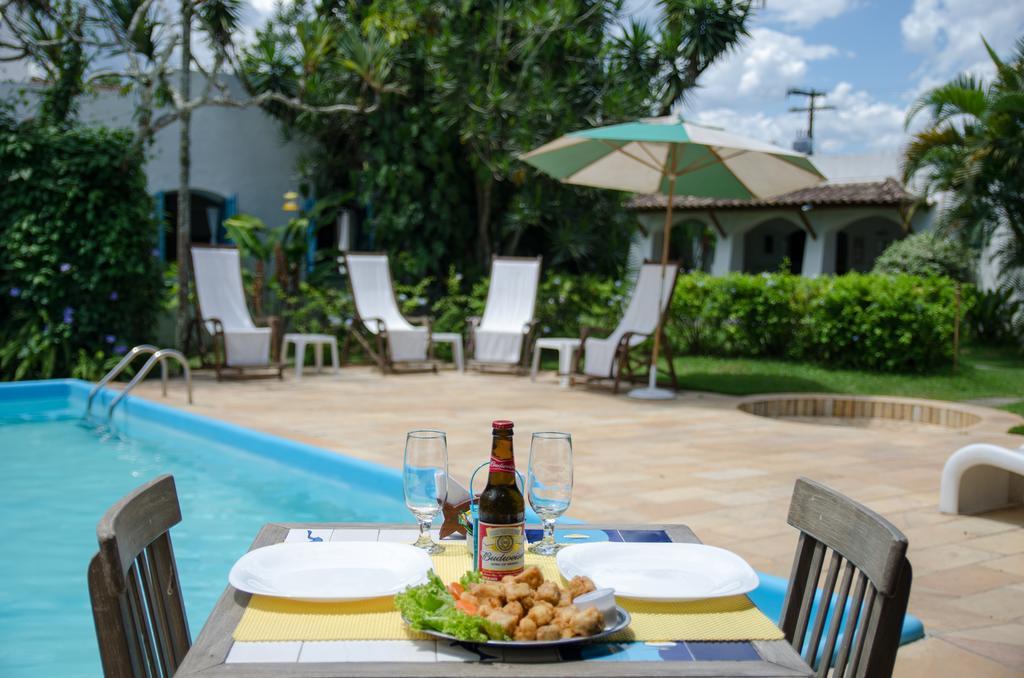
(695, 460)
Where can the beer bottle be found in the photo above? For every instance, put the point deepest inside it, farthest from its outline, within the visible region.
(501, 535)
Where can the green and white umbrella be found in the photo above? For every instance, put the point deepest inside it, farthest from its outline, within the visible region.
(673, 157)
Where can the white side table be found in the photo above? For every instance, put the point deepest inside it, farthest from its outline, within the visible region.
(566, 348)
(455, 339)
(318, 341)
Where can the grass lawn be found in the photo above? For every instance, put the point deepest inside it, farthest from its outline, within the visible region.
(983, 373)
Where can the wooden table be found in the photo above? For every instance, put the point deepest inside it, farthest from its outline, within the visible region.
(216, 654)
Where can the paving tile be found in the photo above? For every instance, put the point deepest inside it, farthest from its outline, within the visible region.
(1012, 564)
(966, 580)
(1005, 603)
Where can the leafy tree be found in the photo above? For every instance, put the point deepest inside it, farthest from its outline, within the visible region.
(131, 44)
(435, 165)
(973, 149)
(927, 254)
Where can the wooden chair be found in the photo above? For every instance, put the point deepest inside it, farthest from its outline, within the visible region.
(133, 584)
(222, 314)
(614, 356)
(876, 567)
(397, 342)
(504, 336)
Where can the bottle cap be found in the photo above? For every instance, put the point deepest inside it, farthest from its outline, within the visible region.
(501, 424)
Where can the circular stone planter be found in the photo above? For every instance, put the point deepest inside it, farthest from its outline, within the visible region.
(865, 411)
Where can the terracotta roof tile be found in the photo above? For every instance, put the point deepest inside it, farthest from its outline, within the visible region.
(888, 192)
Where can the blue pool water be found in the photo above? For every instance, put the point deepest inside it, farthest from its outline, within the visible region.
(59, 475)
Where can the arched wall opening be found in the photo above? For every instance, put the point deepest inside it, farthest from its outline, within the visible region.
(770, 243)
(859, 243)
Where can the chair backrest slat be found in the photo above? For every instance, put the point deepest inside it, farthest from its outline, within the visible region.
(853, 615)
(823, 605)
(825, 658)
(133, 583)
(874, 554)
(807, 602)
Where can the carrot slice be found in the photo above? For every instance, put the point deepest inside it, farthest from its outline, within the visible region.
(466, 606)
(456, 589)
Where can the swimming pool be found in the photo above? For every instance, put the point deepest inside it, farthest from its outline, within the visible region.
(59, 475)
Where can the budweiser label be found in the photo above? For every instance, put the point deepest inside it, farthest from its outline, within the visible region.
(502, 465)
(500, 550)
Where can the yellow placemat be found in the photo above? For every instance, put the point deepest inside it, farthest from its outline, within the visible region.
(278, 619)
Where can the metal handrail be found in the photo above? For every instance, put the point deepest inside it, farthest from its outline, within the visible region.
(157, 357)
(125, 361)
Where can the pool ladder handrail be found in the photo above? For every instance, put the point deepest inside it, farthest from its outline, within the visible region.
(124, 362)
(158, 357)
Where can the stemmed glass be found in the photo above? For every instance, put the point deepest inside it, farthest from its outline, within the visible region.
(425, 477)
(549, 483)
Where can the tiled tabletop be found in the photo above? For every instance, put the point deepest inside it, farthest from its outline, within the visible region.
(438, 657)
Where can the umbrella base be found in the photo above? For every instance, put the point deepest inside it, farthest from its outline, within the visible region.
(649, 393)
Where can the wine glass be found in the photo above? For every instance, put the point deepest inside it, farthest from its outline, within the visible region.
(425, 477)
(549, 483)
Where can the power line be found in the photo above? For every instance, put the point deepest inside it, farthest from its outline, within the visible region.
(812, 106)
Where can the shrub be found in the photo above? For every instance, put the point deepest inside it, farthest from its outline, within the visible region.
(900, 323)
(78, 279)
(927, 254)
(873, 322)
(995, 317)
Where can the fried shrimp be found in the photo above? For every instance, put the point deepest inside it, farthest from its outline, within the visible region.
(528, 608)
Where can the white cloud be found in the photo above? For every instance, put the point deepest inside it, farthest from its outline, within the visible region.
(805, 13)
(767, 63)
(948, 35)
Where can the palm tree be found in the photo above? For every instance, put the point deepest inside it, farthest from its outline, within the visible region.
(973, 150)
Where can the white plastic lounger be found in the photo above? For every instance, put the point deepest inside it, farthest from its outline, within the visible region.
(222, 311)
(980, 478)
(397, 340)
(502, 336)
(606, 358)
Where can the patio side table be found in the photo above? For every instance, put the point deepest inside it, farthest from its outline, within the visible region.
(215, 653)
(455, 339)
(317, 341)
(566, 347)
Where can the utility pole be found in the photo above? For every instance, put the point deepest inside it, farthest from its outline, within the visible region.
(812, 105)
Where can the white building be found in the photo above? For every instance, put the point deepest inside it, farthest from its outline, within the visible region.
(842, 225)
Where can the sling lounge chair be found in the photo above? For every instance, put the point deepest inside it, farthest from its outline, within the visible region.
(395, 341)
(502, 337)
(240, 348)
(613, 357)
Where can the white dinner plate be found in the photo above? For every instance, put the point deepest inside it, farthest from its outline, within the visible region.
(664, 572)
(330, 571)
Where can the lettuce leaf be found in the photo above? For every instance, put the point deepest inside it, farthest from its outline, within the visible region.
(431, 607)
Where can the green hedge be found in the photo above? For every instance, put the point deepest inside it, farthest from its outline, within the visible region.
(891, 323)
(874, 322)
(79, 282)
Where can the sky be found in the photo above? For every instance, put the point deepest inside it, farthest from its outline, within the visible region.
(872, 57)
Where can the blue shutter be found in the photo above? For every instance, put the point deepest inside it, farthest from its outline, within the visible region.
(307, 206)
(229, 210)
(158, 216)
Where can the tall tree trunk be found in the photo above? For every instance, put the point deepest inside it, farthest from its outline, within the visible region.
(484, 189)
(184, 194)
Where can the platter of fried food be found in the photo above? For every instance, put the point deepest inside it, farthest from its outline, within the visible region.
(524, 610)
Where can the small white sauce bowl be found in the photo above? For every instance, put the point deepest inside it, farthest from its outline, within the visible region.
(602, 599)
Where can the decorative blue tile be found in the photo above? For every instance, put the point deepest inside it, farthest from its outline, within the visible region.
(723, 651)
(613, 535)
(644, 536)
(676, 651)
(571, 536)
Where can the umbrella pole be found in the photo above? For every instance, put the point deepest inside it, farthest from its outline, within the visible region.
(652, 392)
(653, 378)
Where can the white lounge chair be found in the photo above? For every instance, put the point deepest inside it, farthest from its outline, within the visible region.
(397, 340)
(610, 357)
(239, 346)
(980, 478)
(502, 336)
